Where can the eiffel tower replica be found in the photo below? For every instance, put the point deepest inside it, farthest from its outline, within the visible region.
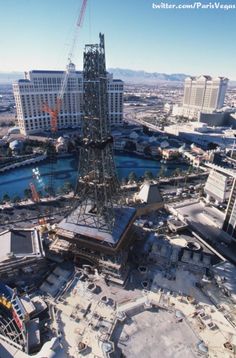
(99, 224)
(97, 184)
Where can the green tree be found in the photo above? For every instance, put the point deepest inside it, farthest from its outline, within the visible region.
(190, 169)
(147, 150)
(148, 175)
(186, 174)
(9, 152)
(161, 173)
(71, 147)
(211, 146)
(28, 149)
(177, 172)
(27, 193)
(133, 177)
(6, 198)
(40, 193)
(147, 131)
(67, 187)
(50, 149)
(16, 199)
(130, 146)
(124, 181)
(49, 190)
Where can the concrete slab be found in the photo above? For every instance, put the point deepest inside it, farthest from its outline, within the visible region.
(156, 334)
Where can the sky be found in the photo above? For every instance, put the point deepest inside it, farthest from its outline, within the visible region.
(37, 34)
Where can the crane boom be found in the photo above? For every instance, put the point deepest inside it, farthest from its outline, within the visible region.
(55, 111)
(82, 12)
(79, 24)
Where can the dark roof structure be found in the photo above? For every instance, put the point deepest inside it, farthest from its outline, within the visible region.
(123, 217)
(19, 243)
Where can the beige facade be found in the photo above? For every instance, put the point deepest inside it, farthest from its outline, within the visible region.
(41, 87)
(203, 94)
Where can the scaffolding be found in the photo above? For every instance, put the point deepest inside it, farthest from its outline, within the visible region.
(97, 182)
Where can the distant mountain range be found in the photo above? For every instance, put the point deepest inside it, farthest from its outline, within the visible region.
(142, 77)
(9, 77)
(128, 76)
(131, 76)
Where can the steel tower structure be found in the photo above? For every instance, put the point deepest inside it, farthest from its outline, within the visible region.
(97, 183)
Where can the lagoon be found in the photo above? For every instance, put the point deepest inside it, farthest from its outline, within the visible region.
(15, 181)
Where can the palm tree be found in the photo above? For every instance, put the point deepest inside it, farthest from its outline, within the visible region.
(133, 177)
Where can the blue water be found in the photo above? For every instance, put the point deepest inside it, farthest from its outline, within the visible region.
(14, 182)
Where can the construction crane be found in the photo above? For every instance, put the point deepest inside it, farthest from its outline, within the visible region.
(56, 110)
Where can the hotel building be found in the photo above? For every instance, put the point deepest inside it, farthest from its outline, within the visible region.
(203, 94)
(40, 86)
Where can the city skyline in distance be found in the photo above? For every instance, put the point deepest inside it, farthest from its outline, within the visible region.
(37, 35)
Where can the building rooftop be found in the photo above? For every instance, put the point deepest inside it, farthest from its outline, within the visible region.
(19, 243)
(47, 71)
(227, 273)
(84, 225)
(149, 193)
(207, 77)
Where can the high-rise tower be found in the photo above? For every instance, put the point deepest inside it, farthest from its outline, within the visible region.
(203, 94)
(97, 183)
(100, 224)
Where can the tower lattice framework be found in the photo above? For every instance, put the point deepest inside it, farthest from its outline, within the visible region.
(97, 181)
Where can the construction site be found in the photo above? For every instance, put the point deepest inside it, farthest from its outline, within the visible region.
(107, 270)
